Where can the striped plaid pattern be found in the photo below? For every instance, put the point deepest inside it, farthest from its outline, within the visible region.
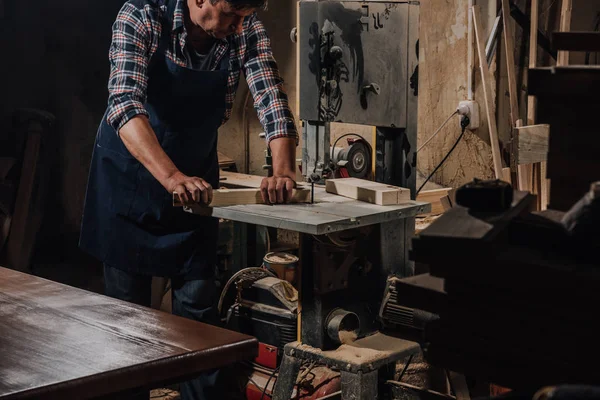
(136, 34)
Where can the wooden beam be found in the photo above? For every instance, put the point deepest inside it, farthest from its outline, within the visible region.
(234, 197)
(509, 47)
(237, 180)
(368, 191)
(565, 26)
(434, 197)
(533, 47)
(522, 171)
(538, 182)
(576, 41)
(487, 91)
(532, 144)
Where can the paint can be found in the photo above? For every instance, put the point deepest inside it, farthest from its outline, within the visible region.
(284, 265)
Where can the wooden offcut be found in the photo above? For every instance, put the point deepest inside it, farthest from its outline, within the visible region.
(434, 197)
(235, 197)
(532, 144)
(368, 191)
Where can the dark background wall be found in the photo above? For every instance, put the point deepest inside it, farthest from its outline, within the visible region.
(55, 57)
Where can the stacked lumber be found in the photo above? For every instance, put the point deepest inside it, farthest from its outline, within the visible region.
(567, 100)
(519, 302)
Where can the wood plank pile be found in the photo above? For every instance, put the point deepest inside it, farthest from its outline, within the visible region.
(567, 100)
(517, 306)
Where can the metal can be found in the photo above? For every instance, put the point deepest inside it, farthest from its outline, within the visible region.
(284, 265)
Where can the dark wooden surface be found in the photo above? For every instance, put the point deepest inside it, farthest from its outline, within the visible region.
(57, 341)
(576, 41)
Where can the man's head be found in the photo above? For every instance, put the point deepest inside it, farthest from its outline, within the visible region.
(221, 18)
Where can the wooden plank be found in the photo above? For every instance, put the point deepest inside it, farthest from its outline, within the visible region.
(368, 191)
(509, 46)
(532, 144)
(565, 26)
(522, 171)
(487, 90)
(533, 47)
(544, 190)
(235, 179)
(576, 41)
(236, 197)
(225, 161)
(435, 198)
(534, 173)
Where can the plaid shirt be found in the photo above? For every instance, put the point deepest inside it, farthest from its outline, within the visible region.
(136, 34)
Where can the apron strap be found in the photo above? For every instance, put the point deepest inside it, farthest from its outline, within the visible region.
(165, 36)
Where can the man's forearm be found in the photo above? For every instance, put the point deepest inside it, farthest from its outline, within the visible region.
(283, 153)
(141, 141)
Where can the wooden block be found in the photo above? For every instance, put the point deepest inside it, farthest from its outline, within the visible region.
(368, 191)
(435, 198)
(234, 197)
(532, 144)
(446, 203)
(225, 161)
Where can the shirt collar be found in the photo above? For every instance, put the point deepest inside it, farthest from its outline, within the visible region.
(178, 15)
(178, 19)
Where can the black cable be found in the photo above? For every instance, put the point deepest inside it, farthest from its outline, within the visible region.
(464, 122)
(405, 367)
(267, 384)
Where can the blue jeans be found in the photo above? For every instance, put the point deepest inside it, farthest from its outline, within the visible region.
(194, 300)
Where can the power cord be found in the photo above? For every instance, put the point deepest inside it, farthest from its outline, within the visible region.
(267, 384)
(437, 131)
(464, 122)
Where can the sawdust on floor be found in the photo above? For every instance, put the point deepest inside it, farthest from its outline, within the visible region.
(164, 394)
(421, 223)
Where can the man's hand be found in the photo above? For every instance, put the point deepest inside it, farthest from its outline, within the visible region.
(141, 141)
(277, 189)
(190, 189)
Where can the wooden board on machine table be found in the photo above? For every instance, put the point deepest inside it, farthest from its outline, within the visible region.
(235, 197)
(368, 191)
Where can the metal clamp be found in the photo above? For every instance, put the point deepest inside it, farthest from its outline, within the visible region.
(373, 87)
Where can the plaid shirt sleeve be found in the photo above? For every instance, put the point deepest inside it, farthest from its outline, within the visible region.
(266, 85)
(130, 51)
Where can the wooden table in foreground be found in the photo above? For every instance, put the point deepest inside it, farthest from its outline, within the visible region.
(57, 341)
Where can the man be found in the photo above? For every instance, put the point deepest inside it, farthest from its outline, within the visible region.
(175, 68)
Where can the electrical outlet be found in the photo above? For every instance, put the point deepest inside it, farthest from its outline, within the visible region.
(470, 108)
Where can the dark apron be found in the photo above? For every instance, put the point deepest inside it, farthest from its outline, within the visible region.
(129, 221)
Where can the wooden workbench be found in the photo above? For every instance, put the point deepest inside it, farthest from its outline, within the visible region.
(57, 341)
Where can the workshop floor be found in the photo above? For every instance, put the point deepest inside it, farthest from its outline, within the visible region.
(164, 394)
